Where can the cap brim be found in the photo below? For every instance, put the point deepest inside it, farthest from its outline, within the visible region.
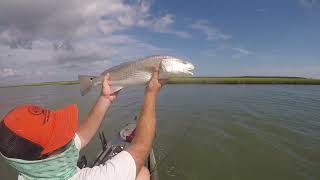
(65, 127)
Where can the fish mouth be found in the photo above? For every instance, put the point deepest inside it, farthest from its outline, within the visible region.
(191, 68)
(189, 72)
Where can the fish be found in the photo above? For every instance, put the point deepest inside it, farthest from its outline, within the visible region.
(138, 72)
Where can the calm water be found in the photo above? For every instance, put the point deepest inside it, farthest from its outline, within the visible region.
(209, 131)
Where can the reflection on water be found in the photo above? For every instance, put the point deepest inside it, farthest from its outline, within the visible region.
(209, 131)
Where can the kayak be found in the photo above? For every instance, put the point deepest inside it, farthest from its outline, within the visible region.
(115, 145)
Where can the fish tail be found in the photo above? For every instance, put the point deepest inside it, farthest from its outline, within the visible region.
(86, 83)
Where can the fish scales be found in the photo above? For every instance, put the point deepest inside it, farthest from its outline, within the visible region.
(138, 72)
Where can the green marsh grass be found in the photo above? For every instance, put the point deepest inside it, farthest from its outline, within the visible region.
(208, 80)
(243, 80)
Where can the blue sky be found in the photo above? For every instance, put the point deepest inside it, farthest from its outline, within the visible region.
(57, 40)
(279, 35)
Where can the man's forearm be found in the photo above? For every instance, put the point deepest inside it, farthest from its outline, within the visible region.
(91, 123)
(145, 131)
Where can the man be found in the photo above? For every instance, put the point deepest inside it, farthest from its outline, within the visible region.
(44, 144)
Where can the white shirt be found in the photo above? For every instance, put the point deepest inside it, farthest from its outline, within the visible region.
(120, 167)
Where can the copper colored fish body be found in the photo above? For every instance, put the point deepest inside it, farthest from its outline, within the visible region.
(138, 72)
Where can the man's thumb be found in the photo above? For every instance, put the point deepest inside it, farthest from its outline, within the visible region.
(155, 73)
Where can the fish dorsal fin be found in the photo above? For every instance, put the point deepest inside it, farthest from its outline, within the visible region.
(117, 67)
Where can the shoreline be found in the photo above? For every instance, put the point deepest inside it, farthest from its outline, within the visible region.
(244, 80)
(205, 80)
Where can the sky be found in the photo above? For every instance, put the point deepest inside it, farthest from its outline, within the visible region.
(45, 40)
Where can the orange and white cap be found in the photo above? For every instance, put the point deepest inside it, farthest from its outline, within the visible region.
(49, 129)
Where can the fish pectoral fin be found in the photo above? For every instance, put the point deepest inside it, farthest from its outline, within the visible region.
(164, 75)
(114, 89)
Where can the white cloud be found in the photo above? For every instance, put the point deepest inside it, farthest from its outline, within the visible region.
(212, 33)
(240, 52)
(227, 51)
(87, 57)
(61, 39)
(213, 52)
(7, 72)
(164, 25)
(261, 10)
(22, 22)
(307, 3)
